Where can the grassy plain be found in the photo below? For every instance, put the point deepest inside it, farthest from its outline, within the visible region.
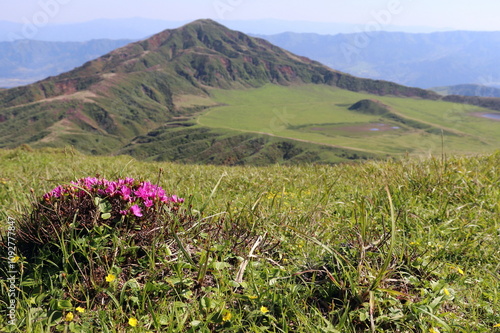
(298, 111)
(395, 246)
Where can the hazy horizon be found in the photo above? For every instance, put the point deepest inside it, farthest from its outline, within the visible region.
(362, 15)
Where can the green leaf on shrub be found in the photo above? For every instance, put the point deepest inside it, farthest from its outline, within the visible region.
(64, 304)
(363, 315)
(105, 216)
(218, 265)
(103, 205)
(206, 303)
(164, 320)
(29, 283)
(234, 284)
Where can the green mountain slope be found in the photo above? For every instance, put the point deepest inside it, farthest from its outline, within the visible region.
(145, 98)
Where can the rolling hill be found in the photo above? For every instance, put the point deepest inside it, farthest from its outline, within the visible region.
(150, 98)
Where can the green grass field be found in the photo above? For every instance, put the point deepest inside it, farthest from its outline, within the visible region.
(320, 114)
(395, 246)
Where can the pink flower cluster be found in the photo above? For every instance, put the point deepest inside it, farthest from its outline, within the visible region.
(137, 195)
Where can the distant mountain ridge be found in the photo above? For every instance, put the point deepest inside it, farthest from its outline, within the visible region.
(129, 28)
(140, 28)
(26, 61)
(468, 90)
(420, 60)
(417, 60)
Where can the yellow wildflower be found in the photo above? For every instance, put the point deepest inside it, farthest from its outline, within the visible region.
(264, 310)
(446, 292)
(69, 316)
(497, 325)
(15, 259)
(458, 269)
(227, 316)
(110, 278)
(80, 309)
(132, 322)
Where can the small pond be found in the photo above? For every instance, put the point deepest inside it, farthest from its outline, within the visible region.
(495, 116)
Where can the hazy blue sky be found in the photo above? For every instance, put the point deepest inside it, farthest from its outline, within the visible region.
(457, 14)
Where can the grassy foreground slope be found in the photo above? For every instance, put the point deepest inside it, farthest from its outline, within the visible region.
(337, 259)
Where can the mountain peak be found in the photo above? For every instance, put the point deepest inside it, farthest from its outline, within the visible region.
(204, 22)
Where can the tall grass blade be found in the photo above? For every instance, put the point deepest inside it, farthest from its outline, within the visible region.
(382, 272)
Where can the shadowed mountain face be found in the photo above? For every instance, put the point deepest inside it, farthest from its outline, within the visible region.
(102, 105)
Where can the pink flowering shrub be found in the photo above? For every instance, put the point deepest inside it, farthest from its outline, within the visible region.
(73, 237)
(127, 203)
(133, 195)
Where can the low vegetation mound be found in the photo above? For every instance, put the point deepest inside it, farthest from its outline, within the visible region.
(129, 205)
(369, 106)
